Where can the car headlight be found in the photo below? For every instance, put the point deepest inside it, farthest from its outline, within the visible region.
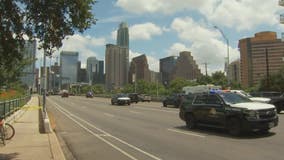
(251, 114)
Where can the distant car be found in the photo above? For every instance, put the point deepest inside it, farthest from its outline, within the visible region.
(64, 93)
(133, 97)
(174, 99)
(120, 99)
(89, 95)
(145, 98)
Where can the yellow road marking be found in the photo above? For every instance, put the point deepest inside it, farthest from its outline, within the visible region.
(31, 107)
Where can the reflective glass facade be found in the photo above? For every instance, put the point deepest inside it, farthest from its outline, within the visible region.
(69, 67)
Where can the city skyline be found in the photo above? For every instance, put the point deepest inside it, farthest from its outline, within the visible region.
(159, 31)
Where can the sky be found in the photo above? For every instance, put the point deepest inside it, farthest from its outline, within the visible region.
(162, 28)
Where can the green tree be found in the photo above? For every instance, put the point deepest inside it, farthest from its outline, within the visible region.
(203, 80)
(177, 84)
(219, 78)
(275, 82)
(49, 21)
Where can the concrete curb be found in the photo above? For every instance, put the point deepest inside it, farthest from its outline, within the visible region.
(55, 147)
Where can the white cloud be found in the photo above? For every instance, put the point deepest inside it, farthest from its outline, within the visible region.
(176, 48)
(206, 45)
(143, 31)
(243, 15)
(159, 6)
(83, 44)
(240, 14)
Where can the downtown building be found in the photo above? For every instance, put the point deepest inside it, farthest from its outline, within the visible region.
(182, 66)
(185, 67)
(117, 60)
(95, 71)
(28, 76)
(167, 65)
(139, 69)
(234, 71)
(68, 68)
(260, 56)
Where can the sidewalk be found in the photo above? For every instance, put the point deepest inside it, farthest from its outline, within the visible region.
(28, 143)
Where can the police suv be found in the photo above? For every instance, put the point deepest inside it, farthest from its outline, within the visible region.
(227, 110)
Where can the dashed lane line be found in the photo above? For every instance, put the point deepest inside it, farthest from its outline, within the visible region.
(186, 133)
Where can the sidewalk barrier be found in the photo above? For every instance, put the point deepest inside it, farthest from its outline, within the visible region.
(9, 107)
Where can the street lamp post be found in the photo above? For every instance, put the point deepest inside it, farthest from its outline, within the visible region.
(228, 58)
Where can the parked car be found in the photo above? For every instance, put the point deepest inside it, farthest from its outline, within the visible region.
(89, 94)
(275, 98)
(230, 111)
(145, 98)
(133, 97)
(174, 99)
(120, 99)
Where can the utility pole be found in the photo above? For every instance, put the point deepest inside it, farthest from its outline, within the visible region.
(267, 69)
(205, 64)
(44, 81)
(228, 54)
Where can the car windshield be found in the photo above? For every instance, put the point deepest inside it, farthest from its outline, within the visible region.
(234, 98)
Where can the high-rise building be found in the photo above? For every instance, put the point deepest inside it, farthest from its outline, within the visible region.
(117, 66)
(69, 68)
(95, 71)
(234, 71)
(260, 56)
(167, 65)
(122, 35)
(55, 77)
(185, 67)
(139, 69)
(28, 76)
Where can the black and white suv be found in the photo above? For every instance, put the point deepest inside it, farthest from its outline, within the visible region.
(230, 111)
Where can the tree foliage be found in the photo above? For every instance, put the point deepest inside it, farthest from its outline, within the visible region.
(49, 21)
(275, 82)
(219, 78)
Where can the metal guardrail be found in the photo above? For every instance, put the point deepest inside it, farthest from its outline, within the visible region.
(9, 107)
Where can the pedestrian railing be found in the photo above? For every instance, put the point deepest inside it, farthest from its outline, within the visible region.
(10, 106)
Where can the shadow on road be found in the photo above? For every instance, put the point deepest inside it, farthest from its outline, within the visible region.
(8, 156)
(223, 133)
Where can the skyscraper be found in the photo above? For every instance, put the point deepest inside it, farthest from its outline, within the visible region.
(185, 67)
(117, 66)
(117, 59)
(28, 74)
(167, 65)
(139, 69)
(69, 67)
(261, 56)
(95, 71)
(234, 71)
(122, 35)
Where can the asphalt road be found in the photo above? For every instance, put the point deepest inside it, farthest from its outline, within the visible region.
(93, 129)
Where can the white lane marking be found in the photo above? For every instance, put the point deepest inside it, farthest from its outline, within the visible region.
(109, 115)
(135, 112)
(96, 135)
(69, 114)
(151, 109)
(187, 133)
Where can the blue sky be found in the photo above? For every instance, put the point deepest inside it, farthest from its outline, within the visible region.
(161, 28)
